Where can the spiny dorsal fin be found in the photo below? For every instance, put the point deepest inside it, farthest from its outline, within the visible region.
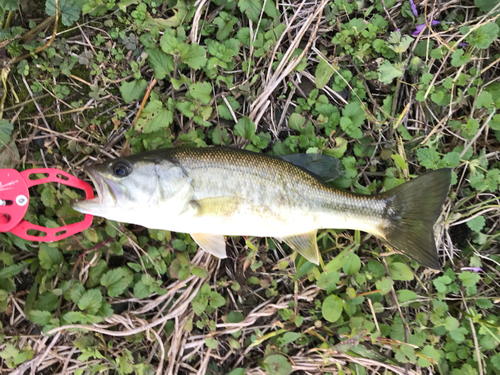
(325, 167)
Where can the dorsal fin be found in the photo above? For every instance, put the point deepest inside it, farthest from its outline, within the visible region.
(324, 167)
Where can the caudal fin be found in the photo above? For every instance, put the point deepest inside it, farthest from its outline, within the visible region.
(412, 212)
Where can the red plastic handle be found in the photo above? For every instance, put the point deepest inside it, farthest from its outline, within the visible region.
(51, 234)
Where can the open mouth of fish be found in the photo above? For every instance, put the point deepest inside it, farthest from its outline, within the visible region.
(107, 194)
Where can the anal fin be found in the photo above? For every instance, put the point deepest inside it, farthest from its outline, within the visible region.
(211, 243)
(305, 244)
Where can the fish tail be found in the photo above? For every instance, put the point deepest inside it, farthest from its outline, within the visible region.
(411, 213)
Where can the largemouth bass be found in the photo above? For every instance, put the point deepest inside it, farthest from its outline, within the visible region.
(212, 192)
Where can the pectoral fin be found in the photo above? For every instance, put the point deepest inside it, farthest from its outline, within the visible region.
(211, 243)
(305, 244)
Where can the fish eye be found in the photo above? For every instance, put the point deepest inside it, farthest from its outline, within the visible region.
(121, 168)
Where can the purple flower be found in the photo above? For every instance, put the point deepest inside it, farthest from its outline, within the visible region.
(419, 28)
(473, 269)
(413, 8)
(463, 44)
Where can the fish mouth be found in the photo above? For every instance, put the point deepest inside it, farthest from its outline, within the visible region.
(107, 195)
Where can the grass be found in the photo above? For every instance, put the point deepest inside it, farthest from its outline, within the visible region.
(392, 88)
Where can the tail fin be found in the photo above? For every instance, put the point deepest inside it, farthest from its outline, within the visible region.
(412, 212)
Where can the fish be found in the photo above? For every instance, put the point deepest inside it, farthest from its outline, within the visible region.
(214, 192)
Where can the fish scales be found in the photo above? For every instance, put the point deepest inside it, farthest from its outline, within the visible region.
(211, 192)
(273, 186)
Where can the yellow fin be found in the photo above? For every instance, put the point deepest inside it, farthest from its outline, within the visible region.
(305, 244)
(211, 243)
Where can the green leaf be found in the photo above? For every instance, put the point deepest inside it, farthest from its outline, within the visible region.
(296, 121)
(155, 117)
(40, 317)
(251, 8)
(91, 301)
(13, 270)
(245, 128)
(484, 100)
(406, 295)
(469, 280)
(69, 10)
(194, 55)
(384, 285)
(277, 364)
(483, 36)
(238, 371)
(141, 290)
(400, 271)
(458, 58)
(201, 92)
(485, 6)
(387, 72)
(451, 323)
(324, 72)
(46, 301)
(352, 264)
(133, 90)
(211, 343)
(216, 300)
(477, 224)
(225, 22)
(161, 63)
(49, 256)
(117, 281)
(332, 308)
(200, 272)
(352, 119)
(6, 129)
(10, 5)
(458, 335)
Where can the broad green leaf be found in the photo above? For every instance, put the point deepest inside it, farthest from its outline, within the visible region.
(400, 271)
(47, 301)
(352, 264)
(91, 301)
(10, 5)
(161, 63)
(117, 281)
(194, 55)
(133, 90)
(485, 6)
(477, 224)
(13, 270)
(387, 72)
(384, 285)
(483, 36)
(323, 73)
(484, 100)
(211, 343)
(242, 371)
(40, 317)
(458, 58)
(451, 323)
(201, 92)
(235, 317)
(216, 300)
(69, 10)
(332, 308)
(251, 8)
(245, 128)
(49, 256)
(155, 117)
(406, 295)
(225, 22)
(277, 364)
(6, 129)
